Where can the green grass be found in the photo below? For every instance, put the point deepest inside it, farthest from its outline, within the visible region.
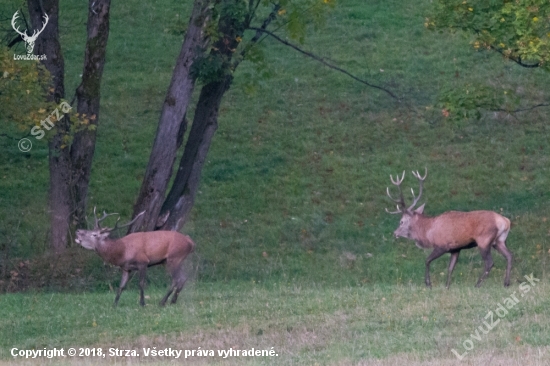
(304, 325)
(292, 237)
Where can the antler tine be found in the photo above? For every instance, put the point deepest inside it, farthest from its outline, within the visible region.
(394, 212)
(13, 19)
(37, 32)
(96, 225)
(116, 224)
(397, 182)
(415, 199)
(420, 184)
(417, 174)
(400, 200)
(127, 224)
(98, 220)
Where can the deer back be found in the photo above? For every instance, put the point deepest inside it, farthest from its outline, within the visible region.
(454, 229)
(156, 246)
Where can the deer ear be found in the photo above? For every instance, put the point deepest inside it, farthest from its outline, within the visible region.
(104, 234)
(420, 210)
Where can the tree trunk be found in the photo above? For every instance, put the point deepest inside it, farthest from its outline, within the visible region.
(88, 97)
(181, 197)
(59, 197)
(59, 161)
(179, 202)
(172, 124)
(175, 210)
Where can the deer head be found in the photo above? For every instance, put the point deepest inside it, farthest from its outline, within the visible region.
(408, 213)
(91, 239)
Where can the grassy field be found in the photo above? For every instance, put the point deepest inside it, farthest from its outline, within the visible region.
(294, 247)
(337, 325)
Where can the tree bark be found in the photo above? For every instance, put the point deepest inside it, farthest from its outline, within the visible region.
(172, 123)
(181, 197)
(88, 98)
(59, 161)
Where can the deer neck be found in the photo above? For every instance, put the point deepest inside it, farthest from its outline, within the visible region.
(419, 231)
(111, 251)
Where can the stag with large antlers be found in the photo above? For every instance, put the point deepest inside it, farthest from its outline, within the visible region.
(451, 231)
(138, 251)
(29, 40)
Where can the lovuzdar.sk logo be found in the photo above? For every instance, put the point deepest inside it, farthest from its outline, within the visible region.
(29, 40)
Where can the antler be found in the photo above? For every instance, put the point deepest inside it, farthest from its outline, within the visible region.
(401, 200)
(23, 34)
(37, 32)
(127, 224)
(421, 184)
(97, 221)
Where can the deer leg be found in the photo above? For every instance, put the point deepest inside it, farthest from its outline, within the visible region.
(452, 263)
(142, 273)
(172, 268)
(501, 247)
(181, 279)
(486, 255)
(170, 290)
(123, 282)
(436, 253)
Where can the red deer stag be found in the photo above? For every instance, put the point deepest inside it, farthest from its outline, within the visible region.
(451, 232)
(137, 251)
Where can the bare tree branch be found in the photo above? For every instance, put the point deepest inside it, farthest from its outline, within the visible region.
(259, 33)
(319, 59)
(516, 60)
(523, 109)
(501, 51)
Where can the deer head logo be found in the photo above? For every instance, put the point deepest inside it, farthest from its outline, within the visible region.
(29, 40)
